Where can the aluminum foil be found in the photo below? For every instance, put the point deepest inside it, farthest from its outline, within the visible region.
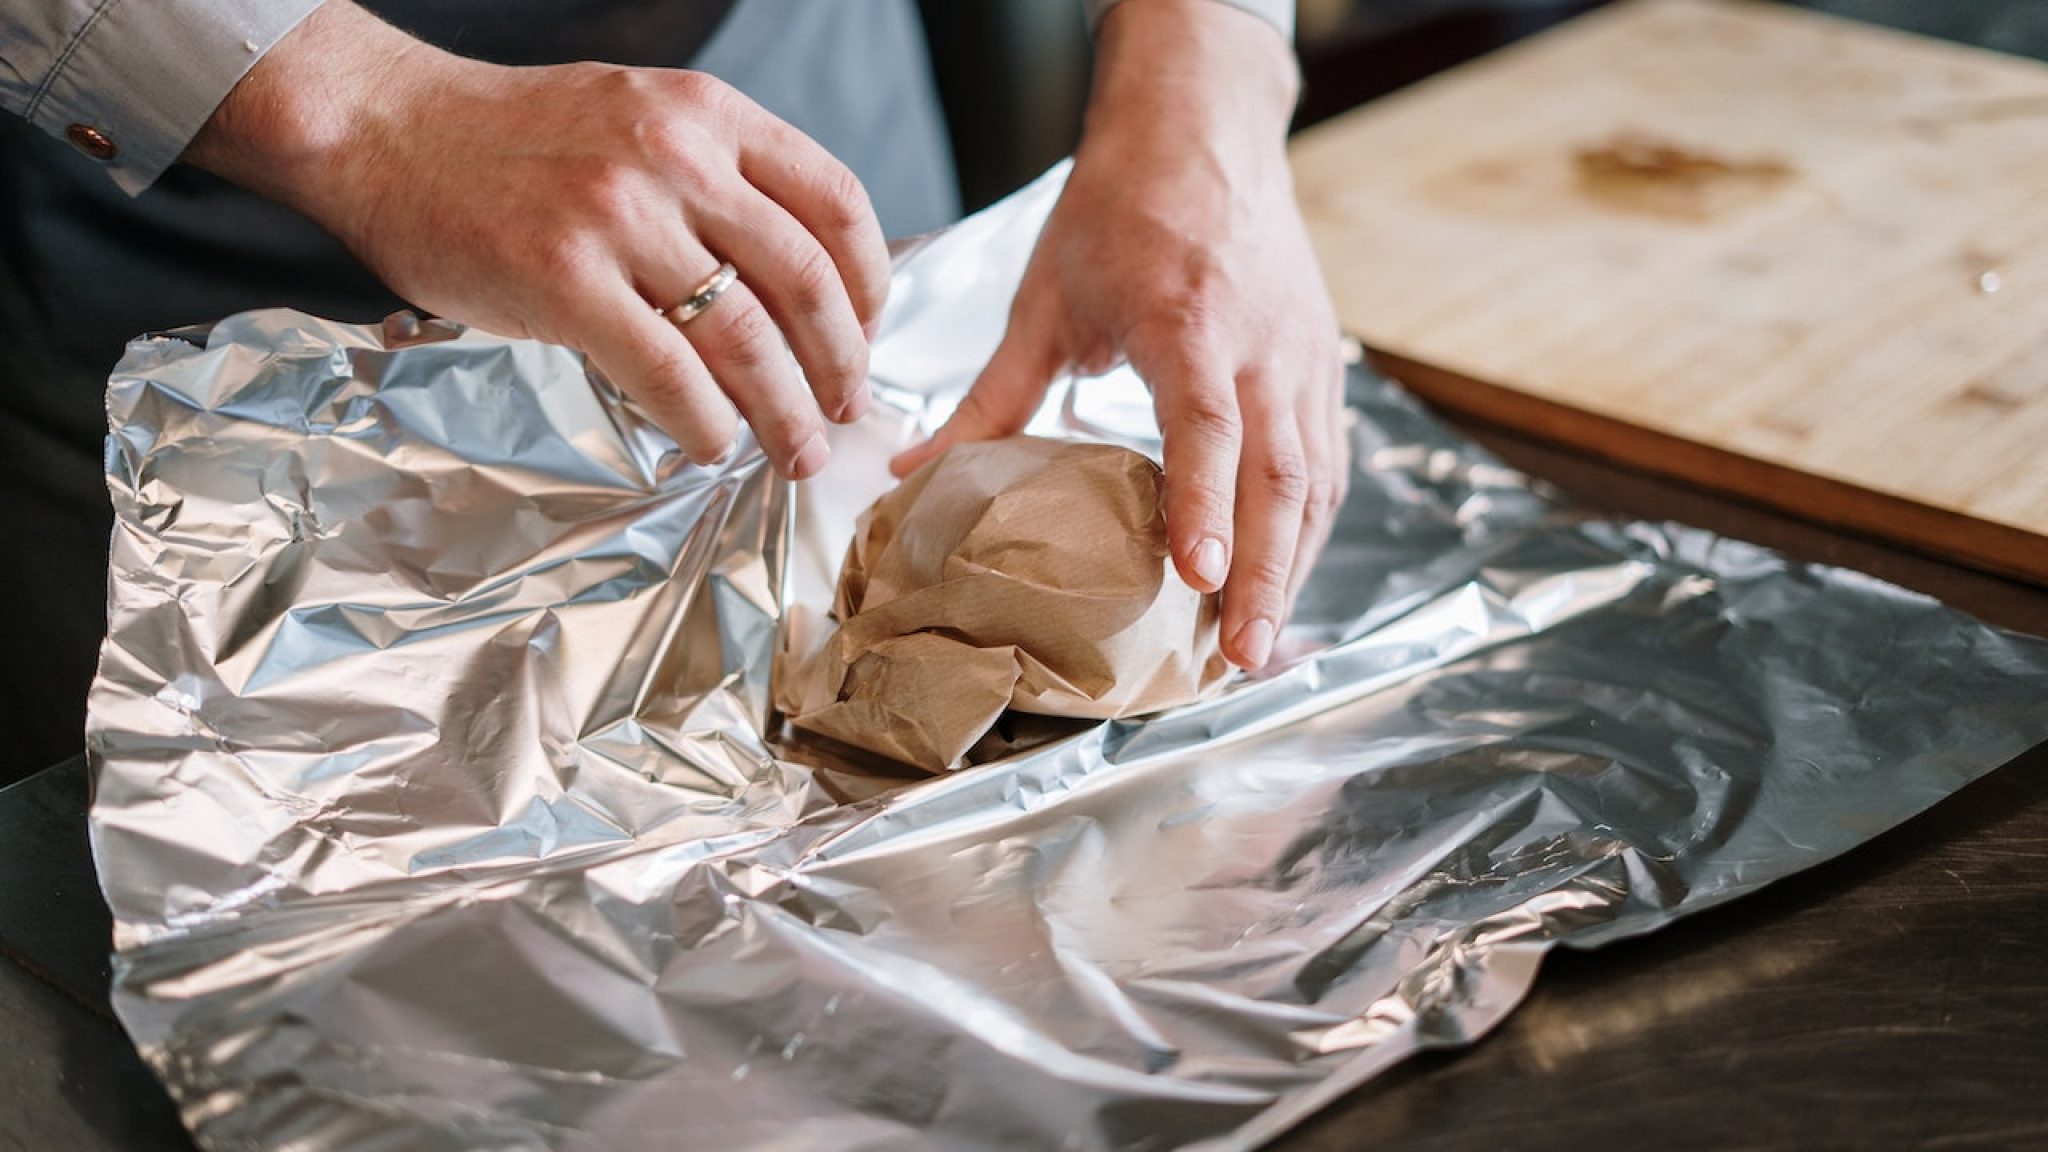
(440, 804)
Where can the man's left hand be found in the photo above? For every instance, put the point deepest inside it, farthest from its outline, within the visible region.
(1177, 245)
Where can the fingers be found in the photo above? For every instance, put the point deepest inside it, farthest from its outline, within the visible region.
(1001, 401)
(827, 199)
(813, 269)
(676, 372)
(1202, 433)
(1329, 471)
(740, 344)
(648, 358)
(792, 273)
(1272, 491)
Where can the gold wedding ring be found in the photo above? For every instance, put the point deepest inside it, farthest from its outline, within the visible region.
(704, 296)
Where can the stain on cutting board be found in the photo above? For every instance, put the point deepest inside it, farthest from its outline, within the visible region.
(1630, 172)
(1765, 251)
(1636, 172)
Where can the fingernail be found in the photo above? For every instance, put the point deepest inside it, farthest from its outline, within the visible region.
(810, 459)
(1255, 641)
(856, 406)
(1211, 564)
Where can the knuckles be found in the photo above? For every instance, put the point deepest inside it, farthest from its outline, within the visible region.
(1325, 493)
(612, 194)
(813, 280)
(744, 337)
(701, 89)
(784, 438)
(1211, 416)
(566, 254)
(599, 207)
(665, 381)
(1191, 298)
(1205, 499)
(718, 105)
(1188, 318)
(1267, 583)
(841, 375)
(656, 93)
(681, 125)
(1284, 475)
(842, 201)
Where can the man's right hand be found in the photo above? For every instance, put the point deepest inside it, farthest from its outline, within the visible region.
(571, 204)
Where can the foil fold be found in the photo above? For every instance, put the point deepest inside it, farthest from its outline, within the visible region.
(441, 802)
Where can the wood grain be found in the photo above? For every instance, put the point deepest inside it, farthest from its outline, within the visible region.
(1793, 258)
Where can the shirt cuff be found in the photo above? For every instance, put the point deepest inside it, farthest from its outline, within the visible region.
(130, 82)
(1278, 13)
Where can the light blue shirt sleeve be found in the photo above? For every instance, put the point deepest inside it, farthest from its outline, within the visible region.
(1278, 13)
(130, 82)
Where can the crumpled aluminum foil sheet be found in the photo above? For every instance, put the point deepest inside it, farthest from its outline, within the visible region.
(440, 805)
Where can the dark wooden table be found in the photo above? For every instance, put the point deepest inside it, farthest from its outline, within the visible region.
(1895, 998)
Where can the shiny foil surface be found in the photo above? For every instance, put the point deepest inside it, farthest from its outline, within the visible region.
(441, 804)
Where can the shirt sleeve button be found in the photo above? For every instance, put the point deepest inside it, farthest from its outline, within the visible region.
(91, 141)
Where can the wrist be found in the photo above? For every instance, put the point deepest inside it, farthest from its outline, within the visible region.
(307, 126)
(1168, 68)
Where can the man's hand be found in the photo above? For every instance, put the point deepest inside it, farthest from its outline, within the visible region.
(572, 203)
(1177, 244)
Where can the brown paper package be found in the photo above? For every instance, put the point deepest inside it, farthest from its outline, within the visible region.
(1023, 573)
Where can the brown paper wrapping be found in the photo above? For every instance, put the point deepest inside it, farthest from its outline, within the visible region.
(1022, 573)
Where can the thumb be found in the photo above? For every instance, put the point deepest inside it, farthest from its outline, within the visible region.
(1002, 400)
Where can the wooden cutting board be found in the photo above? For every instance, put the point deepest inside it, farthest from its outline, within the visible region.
(1787, 256)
